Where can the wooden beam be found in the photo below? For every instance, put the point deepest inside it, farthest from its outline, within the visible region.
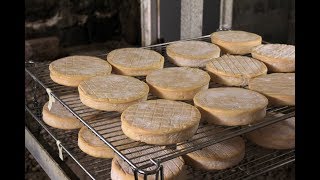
(191, 18)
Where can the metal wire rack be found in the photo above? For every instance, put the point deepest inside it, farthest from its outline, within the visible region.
(107, 126)
(256, 161)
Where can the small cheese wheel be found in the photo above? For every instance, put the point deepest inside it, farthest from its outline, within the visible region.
(279, 88)
(277, 57)
(218, 156)
(92, 145)
(235, 70)
(112, 92)
(236, 42)
(172, 169)
(59, 117)
(72, 70)
(89, 143)
(135, 61)
(160, 121)
(280, 135)
(231, 106)
(192, 53)
(177, 83)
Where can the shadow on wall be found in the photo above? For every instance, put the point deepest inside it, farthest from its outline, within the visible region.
(76, 22)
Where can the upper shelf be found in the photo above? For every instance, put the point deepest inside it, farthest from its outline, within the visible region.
(107, 125)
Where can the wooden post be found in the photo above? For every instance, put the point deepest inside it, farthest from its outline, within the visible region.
(191, 18)
(149, 22)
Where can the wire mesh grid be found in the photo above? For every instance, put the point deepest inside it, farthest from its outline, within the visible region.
(108, 124)
(256, 161)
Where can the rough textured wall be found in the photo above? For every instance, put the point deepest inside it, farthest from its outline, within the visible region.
(77, 22)
(273, 19)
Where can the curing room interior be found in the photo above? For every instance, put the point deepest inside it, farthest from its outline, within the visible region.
(160, 89)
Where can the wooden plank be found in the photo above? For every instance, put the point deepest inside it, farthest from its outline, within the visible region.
(149, 22)
(191, 18)
(48, 164)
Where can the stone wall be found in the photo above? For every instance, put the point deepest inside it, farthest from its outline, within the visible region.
(76, 22)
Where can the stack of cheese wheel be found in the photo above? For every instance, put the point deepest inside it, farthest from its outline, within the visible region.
(235, 70)
(177, 83)
(280, 135)
(277, 57)
(218, 156)
(92, 145)
(112, 92)
(231, 106)
(72, 70)
(192, 53)
(160, 121)
(172, 169)
(236, 42)
(135, 61)
(59, 117)
(279, 88)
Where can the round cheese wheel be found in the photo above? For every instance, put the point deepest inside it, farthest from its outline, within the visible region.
(279, 88)
(160, 121)
(135, 61)
(172, 169)
(235, 70)
(218, 156)
(59, 117)
(112, 92)
(231, 106)
(177, 83)
(192, 53)
(71, 70)
(277, 57)
(236, 42)
(280, 135)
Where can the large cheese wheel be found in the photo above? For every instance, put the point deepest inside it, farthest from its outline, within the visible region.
(231, 106)
(172, 169)
(72, 70)
(112, 92)
(235, 70)
(218, 156)
(280, 135)
(89, 143)
(277, 57)
(135, 61)
(177, 83)
(160, 121)
(236, 42)
(192, 53)
(279, 88)
(59, 117)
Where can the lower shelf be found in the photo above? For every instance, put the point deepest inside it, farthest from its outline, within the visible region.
(257, 160)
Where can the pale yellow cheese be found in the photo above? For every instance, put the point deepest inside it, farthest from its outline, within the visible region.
(277, 57)
(192, 53)
(71, 70)
(218, 156)
(59, 117)
(177, 83)
(230, 106)
(236, 42)
(279, 88)
(160, 121)
(135, 61)
(280, 135)
(232, 70)
(172, 169)
(112, 92)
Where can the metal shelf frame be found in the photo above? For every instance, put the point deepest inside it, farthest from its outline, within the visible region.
(69, 98)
